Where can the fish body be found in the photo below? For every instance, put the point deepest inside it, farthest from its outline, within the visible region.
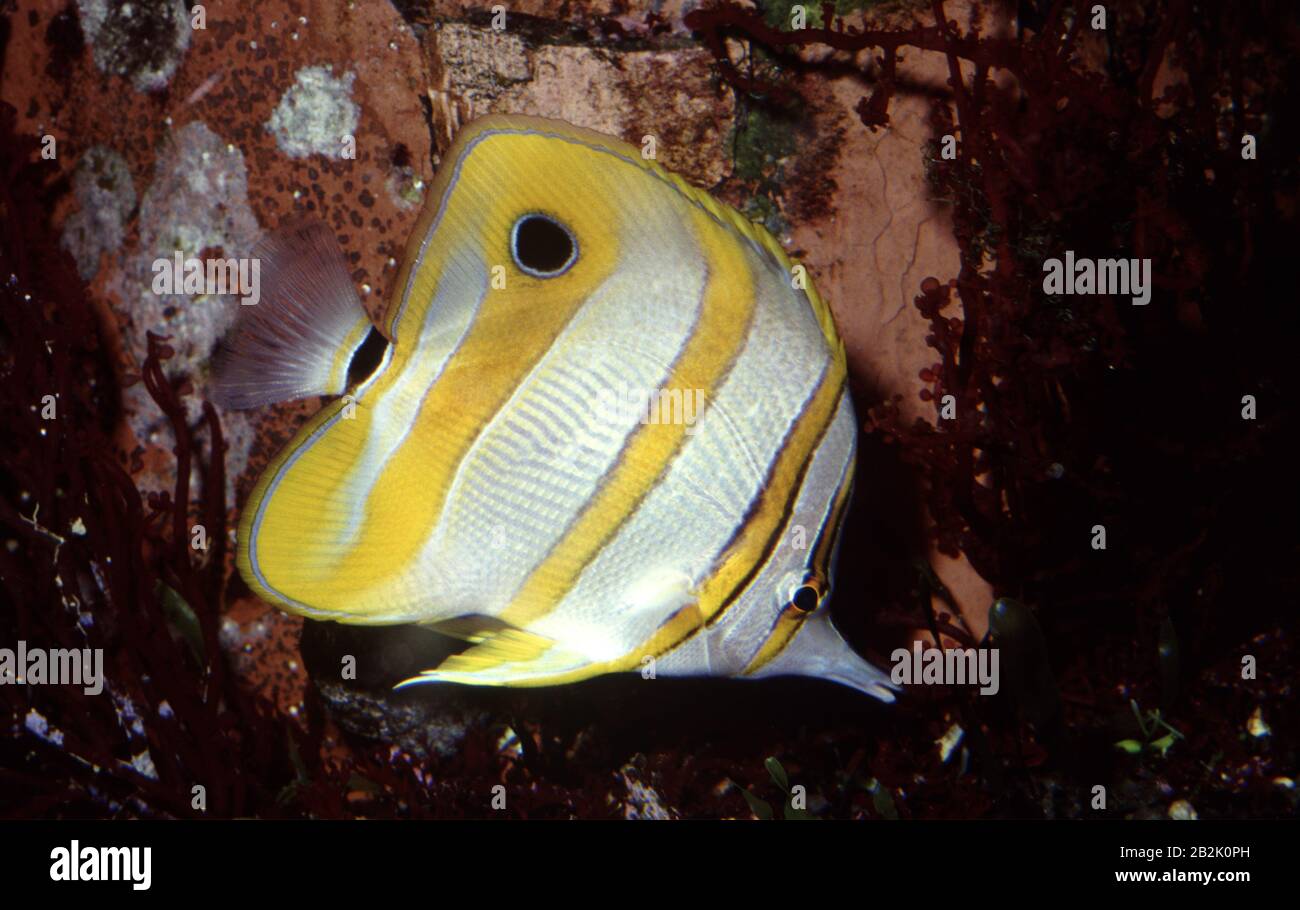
(611, 432)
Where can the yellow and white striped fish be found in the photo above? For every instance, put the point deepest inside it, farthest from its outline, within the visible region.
(609, 427)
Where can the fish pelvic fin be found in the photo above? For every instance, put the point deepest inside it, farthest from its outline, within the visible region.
(297, 336)
(475, 628)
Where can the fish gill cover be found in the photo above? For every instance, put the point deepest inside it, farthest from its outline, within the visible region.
(1032, 417)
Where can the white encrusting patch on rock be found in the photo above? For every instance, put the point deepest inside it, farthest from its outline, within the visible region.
(197, 201)
(105, 195)
(142, 41)
(316, 115)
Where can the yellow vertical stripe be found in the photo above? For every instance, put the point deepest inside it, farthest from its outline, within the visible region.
(830, 531)
(790, 618)
(783, 632)
(744, 556)
(513, 330)
(726, 312)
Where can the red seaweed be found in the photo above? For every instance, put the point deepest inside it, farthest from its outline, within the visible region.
(1074, 412)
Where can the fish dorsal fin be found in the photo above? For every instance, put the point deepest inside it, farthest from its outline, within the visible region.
(763, 238)
(298, 339)
(724, 214)
(507, 656)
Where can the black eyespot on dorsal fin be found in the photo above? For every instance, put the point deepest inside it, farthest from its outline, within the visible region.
(541, 246)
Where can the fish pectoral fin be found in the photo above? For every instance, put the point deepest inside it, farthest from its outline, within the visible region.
(505, 657)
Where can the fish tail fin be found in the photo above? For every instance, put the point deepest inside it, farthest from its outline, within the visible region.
(299, 335)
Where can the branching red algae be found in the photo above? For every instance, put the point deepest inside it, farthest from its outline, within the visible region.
(1074, 412)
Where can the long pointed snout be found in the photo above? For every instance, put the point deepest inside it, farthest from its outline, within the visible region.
(819, 650)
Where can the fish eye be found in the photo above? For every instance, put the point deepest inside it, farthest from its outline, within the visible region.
(806, 597)
(542, 247)
(804, 591)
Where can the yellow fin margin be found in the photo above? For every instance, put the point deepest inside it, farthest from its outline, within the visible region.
(500, 657)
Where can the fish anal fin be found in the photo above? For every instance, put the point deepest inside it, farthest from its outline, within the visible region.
(507, 657)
